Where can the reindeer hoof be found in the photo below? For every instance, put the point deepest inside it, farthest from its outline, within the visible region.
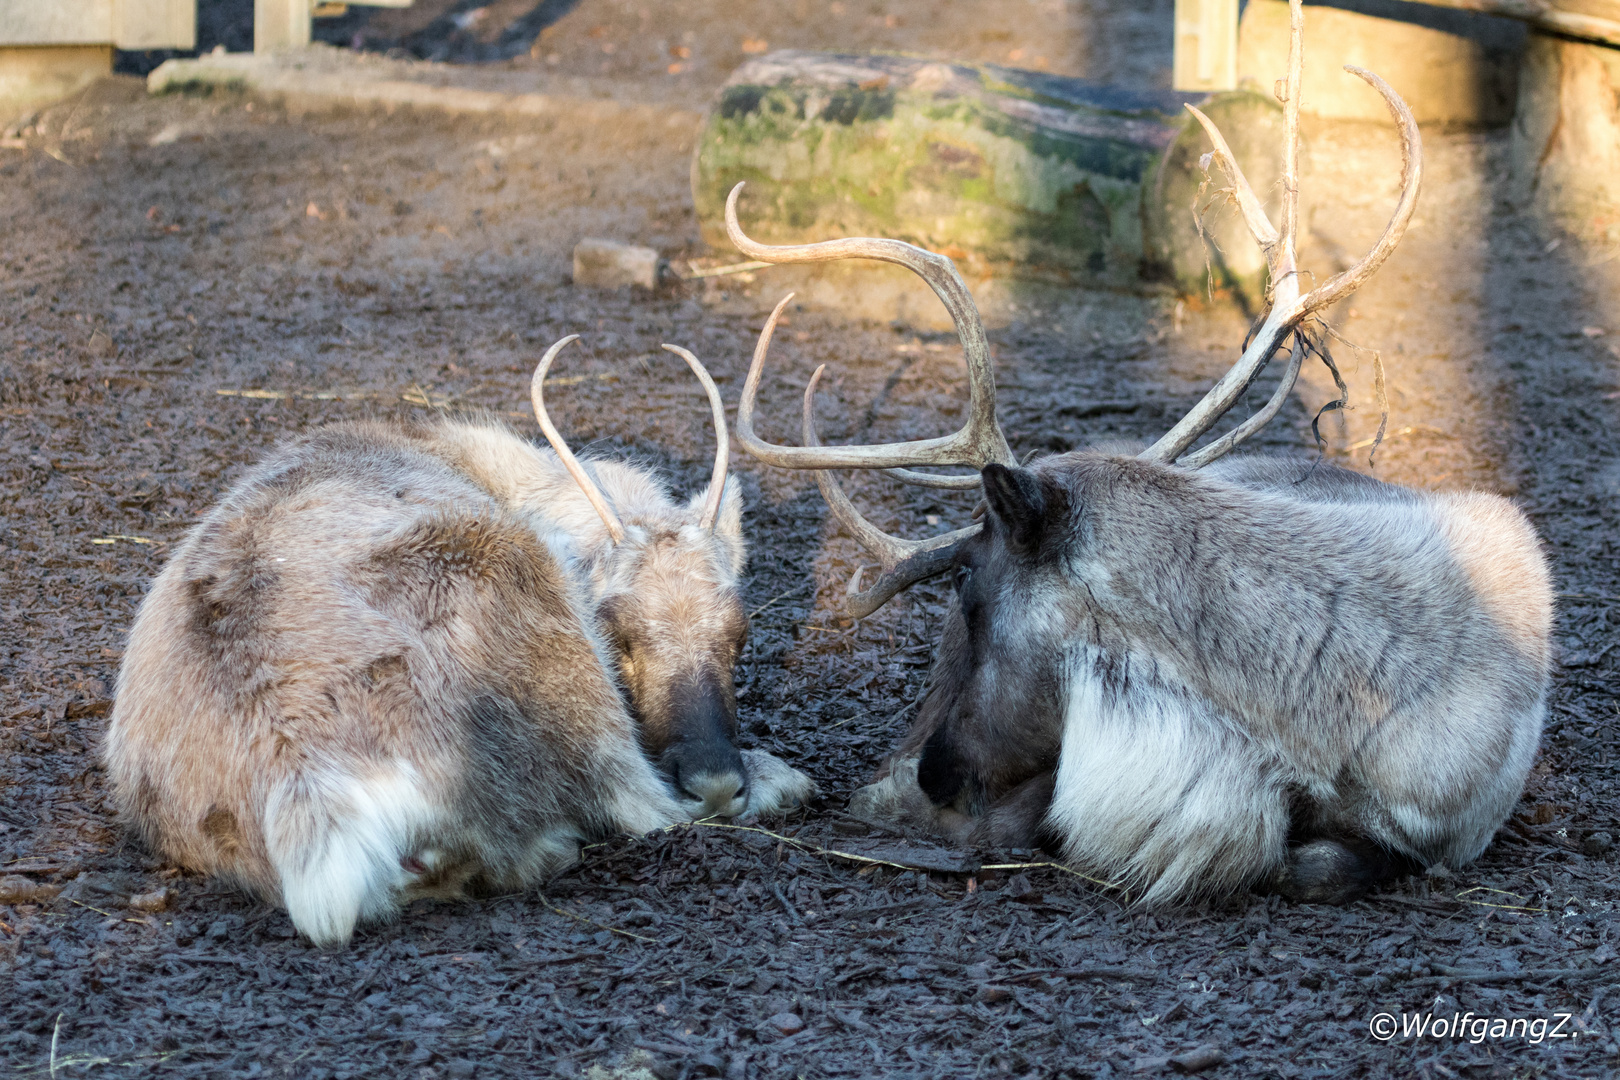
(896, 798)
(1324, 872)
(774, 786)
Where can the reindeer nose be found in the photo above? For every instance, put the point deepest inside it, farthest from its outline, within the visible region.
(724, 793)
(715, 780)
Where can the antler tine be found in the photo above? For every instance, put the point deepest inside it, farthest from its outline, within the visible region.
(929, 480)
(1341, 285)
(1225, 443)
(615, 527)
(1287, 263)
(978, 442)
(1264, 232)
(902, 563)
(722, 454)
(1288, 308)
(1278, 246)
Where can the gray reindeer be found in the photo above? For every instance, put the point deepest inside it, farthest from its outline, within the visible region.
(1195, 675)
(396, 662)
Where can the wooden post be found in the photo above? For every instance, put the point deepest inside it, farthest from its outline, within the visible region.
(280, 24)
(1206, 45)
(1565, 147)
(284, 24)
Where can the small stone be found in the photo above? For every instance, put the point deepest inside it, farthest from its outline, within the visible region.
(20, 890)
(608, 264)
(787, 1023)
(218, 930)
(1192, 1061)
(101, 344)
(156, 900)
(1598, 844)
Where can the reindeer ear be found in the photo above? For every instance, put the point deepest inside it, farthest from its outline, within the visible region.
(1017, 503)
(728, 523)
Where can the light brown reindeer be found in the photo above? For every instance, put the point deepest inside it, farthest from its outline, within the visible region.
(403, 662)
(1192, 675)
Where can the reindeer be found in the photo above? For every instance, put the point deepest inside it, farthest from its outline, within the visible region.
(400, 662)
(1195, 675)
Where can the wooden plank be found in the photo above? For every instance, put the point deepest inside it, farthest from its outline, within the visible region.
(1554, 18)
(155, 24)
(127, 24)
(1206, 45)
(65, 22)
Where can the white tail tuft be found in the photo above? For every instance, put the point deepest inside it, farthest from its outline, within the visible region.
(336, 842)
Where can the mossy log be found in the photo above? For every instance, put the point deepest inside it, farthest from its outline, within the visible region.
(1012, 173)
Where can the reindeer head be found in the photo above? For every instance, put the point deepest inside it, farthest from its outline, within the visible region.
(669, 607)
(990, 718)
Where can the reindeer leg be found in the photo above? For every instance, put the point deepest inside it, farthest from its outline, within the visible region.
(1018, 818)
(1338, 870)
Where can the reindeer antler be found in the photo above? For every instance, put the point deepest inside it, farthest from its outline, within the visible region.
(615, 527)
(901, 563)
(537, 397)
(980, 441)
(1288, 307)
(977, 443)
(722, 453)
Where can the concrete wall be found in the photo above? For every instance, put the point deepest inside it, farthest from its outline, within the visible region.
(1453, 68)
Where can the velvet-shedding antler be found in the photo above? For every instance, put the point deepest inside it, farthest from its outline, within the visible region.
(1288, 307)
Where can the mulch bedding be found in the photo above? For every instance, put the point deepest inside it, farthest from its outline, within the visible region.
(360, 265)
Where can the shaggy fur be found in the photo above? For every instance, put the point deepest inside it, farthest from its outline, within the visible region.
(1260, 673)
(375, 671)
